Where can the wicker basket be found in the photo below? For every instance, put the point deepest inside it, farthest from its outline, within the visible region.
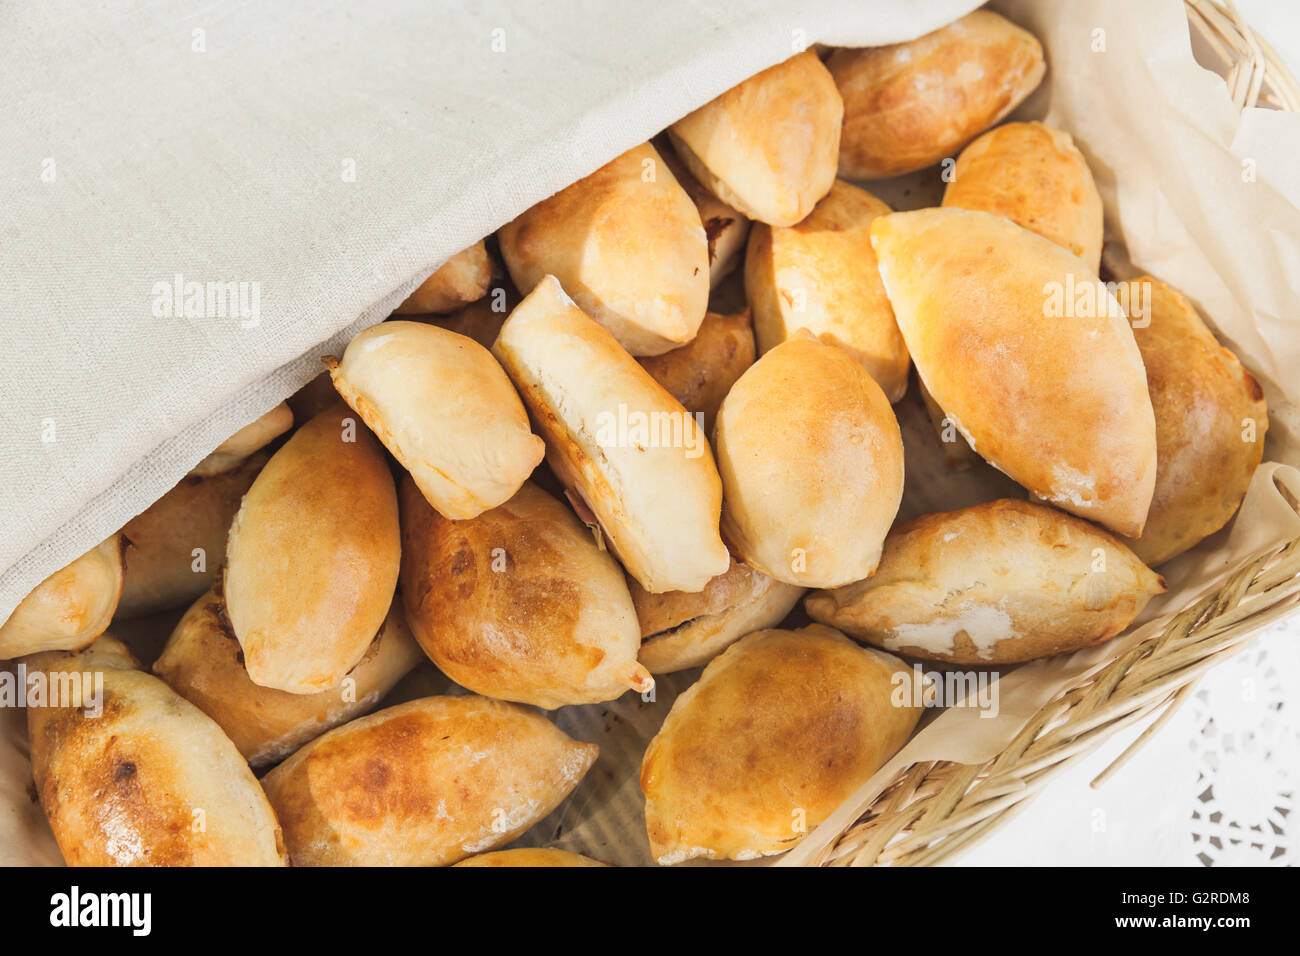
(932, 811)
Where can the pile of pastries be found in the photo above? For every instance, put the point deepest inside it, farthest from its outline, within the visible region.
(644, 426)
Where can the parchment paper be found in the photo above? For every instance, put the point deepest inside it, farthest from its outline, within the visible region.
(1167, 150)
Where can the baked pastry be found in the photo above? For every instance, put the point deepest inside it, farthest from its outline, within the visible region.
(176, 546)
(627, 243)
(253, 437)
(811, 461)
(821, 275)
(202, 662)
(445, 409)
(680, 629)
(780, 729)
(1211, 419)
(530, 857)
(519, 603)
(462, 279)
(618, 440)
(1030, 356)
(767, 146)
(425, 783)
(908, 105)
(700, 374)
(1035, 176)
(312, 556)
(725, 227)
(134, 775)
(70, 608)
(997, 583)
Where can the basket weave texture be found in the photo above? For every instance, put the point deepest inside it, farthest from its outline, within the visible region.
(933, 810)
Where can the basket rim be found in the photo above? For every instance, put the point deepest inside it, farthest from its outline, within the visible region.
(1254, 72)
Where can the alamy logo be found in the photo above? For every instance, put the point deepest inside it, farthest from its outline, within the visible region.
(1091, 299)
(74, 908)
(641, 430)
(82, 689)
(922, 688)
(179, 299)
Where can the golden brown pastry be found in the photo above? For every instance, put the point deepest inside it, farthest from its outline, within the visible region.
(617, 439)
(1029, 355)
(1211, 419)
(627, 243)
(462, 279)
(725, 228)
(519, 603)
(426, 783)
(202, 662)
(137, 776)
(821, 275)
(780, 729)
(530, 857)
(998, 583)
(232, 452)
(1035, 176)
(767, 146)
(70, 608)
(811, 461)
(176, 546)
(908, 105)
(680, 629)
(445, 409)
(700, 374)
(312, 557)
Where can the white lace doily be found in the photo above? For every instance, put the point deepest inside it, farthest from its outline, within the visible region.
(1216, 786)
(1247, 748)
